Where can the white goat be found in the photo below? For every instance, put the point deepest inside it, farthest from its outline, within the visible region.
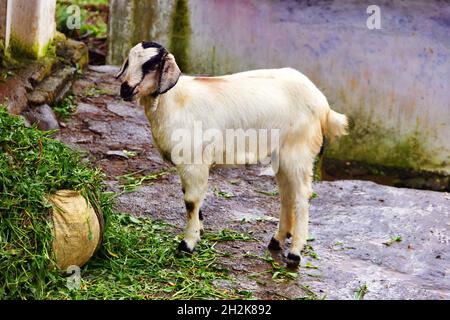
(282, 99)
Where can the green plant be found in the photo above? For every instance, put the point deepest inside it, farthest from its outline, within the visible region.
(392, 240)
(95, 92)
(361, 292)
(130, 182)
(309, 251)
(278, 272)
(223, 194)
(66, 107)
(309, 265)
(227, 235)
(268, 193)
(4, 75)
(130, 154)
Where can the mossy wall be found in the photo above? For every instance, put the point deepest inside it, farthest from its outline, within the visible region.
(133, 21)
(167, 22)
(373, 142)
(33, 27)
(20, 50)
(180, 34)
(392, 82)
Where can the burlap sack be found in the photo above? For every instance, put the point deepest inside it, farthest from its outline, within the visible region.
(77, 229)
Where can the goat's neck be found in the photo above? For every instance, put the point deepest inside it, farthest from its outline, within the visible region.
(158, 114)
(157, 109)
(150, 104)
(156, 105)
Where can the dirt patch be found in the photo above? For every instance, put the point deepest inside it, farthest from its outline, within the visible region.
(351, 221)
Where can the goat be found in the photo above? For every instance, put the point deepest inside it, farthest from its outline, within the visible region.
(282, 99)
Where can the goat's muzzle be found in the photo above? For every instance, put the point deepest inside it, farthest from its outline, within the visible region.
(127, 92)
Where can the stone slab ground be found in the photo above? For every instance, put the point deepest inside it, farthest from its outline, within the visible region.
(351, 221)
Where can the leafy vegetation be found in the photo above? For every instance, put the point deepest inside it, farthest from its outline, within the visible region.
(32, 166)
(309, 251)
(66, 107)
(223, 194)
(95, 92)
(269, 193)
(91, 21)
(132, 181)
(138, 259)
(5, 74)
(280, 274)
(361, 292)
(392, 240)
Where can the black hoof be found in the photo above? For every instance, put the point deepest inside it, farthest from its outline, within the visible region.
(288, 235)
(293, 260)
(183, 247)
(274, 244)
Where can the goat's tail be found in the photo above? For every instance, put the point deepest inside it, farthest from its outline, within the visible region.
(336, 125)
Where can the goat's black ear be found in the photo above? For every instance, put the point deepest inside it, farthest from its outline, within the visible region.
(170, 73)
(123, 69)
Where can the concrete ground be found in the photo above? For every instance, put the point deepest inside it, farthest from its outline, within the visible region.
(352, 227)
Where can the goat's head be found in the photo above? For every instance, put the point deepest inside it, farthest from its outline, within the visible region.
(149, 70)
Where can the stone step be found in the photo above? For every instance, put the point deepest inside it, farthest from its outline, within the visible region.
(44, 81)
(54, 88)
(14, 90)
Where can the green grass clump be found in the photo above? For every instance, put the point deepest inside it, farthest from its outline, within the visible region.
(32, 166)
(138, 258)
(139, 261)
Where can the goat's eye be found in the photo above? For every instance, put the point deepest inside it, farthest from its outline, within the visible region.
(149, 66)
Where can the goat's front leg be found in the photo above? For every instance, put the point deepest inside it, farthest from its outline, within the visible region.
(194, 180)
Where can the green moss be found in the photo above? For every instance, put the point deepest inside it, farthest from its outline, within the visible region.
(6, 60)
(213, 60)
(371, 142)
(21, 50)
(318, 163)
(144, 20)
(50, 49)
(180, 34)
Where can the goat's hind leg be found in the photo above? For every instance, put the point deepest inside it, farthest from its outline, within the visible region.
(285, 226)
(303, 192)
(194, 179)
(294, 179)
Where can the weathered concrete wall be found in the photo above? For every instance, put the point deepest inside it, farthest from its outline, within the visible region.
(133, 21)
(3, 4)
(5, 22)
(32, 26)
(394, 83)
